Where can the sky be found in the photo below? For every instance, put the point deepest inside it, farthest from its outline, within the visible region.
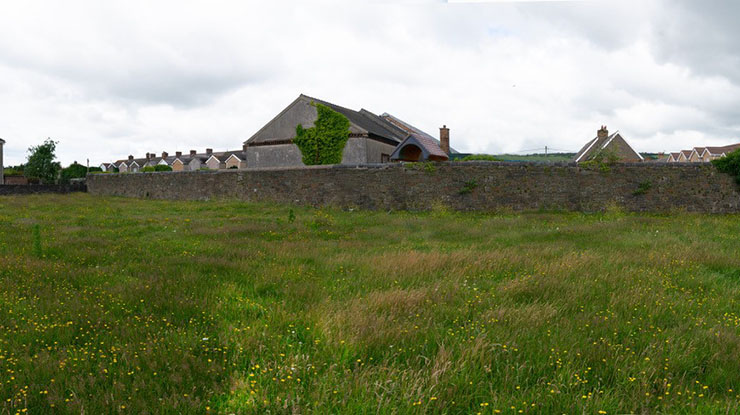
(111, 78)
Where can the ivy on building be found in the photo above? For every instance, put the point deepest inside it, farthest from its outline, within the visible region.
(324, 142)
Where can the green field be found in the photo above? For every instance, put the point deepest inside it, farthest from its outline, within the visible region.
(129, 306)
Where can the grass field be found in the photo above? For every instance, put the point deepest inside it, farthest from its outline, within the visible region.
(127, 306)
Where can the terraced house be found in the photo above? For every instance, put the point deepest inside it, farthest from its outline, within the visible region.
(702, 154)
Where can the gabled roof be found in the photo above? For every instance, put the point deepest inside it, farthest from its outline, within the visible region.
(598, 144)
(410, 129)
(2, 141)
(430, 150)
(281, 129)
(723, 150)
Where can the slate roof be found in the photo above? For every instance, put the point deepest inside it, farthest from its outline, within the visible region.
(362, 121)
(411, 129)
(366, 120)
(429, 148)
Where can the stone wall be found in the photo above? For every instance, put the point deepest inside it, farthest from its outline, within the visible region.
(458, 185)
(29, 189)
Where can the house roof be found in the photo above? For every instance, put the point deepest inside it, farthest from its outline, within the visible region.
(429, 148)
(281, 129)
(724, 149)
(598, 144)
(410, 129)
(2, 141)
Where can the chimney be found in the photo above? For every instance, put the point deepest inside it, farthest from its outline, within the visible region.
(130, 157)
(244, 147)
(603, 132)
(193, 153)
(209, 151)
(444, 139)
(148, 156)
(178, 153)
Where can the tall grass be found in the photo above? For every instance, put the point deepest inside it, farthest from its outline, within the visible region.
(227, 307)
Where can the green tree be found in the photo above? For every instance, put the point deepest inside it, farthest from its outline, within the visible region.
(324, 142)
(41, 162)
(729, 164)
(74, 171)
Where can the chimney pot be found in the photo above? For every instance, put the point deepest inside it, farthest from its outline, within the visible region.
(603, 132)
(444, 139)
(193, 152)
(209, 151)
(178, 153)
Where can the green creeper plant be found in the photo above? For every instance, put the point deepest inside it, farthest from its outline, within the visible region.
(324, 142)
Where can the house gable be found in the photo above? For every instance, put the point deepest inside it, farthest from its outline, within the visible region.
(213, 163)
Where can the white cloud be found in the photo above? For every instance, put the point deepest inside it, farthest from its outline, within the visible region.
(110, 79)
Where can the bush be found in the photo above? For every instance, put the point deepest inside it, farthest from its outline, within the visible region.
(148, 169)
(162, 167)
(483, 157)
(729, 164)
(74, 171)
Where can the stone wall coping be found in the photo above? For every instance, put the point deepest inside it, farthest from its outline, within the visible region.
(368, 166)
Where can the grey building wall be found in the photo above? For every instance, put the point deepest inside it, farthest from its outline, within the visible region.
(355, 151)
(482, 186)
(280, 155)
(375, 149)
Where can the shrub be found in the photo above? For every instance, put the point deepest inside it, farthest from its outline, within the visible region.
(729, 164)
(162, 167)
(148, 169)
(74, 171)
(483, 157)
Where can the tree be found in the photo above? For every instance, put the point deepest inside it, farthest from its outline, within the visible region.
(74, 171)
(41, 162)
(729, 164)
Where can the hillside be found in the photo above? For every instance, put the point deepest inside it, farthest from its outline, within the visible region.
(122, 305)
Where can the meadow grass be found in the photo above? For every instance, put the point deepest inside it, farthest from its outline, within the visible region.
(112, 305)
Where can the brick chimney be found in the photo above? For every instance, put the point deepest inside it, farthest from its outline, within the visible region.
(164, 154)
(209, 151)
(193, 153)
(444, 139)
(148, 156)
(603, 132)
(130, 157)
(178, 153)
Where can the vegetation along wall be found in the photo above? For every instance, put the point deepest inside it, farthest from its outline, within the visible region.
(462, 186)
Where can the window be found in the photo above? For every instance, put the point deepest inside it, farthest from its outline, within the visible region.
(385, 158)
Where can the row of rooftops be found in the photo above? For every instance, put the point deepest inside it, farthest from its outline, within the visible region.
(152, 159)
(702, 153)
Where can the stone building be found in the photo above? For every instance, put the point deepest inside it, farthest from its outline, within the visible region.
(372, 138)
(608, 146)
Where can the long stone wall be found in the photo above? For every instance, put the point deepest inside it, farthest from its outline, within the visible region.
(457, 185)
(30, 189)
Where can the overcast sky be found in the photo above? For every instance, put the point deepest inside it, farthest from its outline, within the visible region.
(112, 78)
